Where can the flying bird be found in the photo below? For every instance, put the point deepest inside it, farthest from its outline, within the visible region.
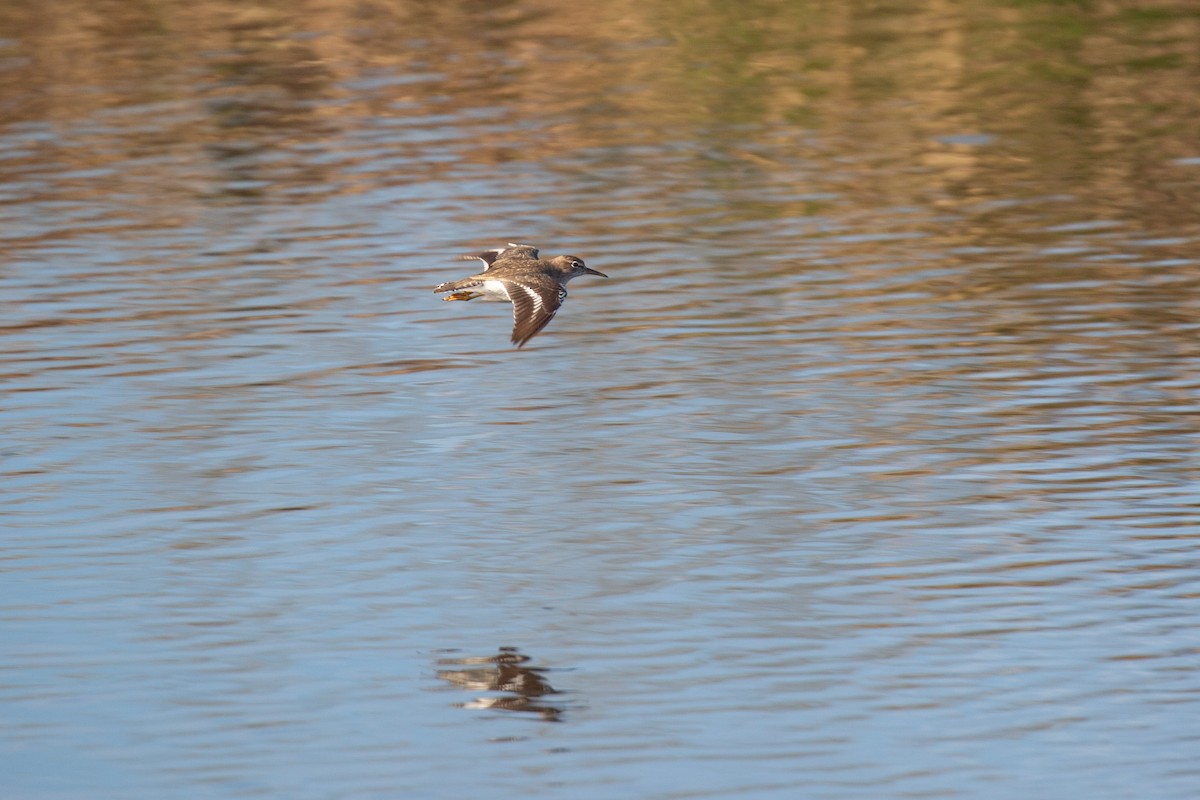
(536, 287)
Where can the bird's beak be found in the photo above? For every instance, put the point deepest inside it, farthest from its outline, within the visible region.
(591, 271)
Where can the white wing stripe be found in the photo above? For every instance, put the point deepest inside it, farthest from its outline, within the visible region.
(537, 298)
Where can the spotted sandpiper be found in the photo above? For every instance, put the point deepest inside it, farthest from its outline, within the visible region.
(536, 287)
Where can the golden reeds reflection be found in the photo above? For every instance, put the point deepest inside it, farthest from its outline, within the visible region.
(979, 103)
(522, 687)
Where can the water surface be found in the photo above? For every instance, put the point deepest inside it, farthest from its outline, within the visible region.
(870, 472)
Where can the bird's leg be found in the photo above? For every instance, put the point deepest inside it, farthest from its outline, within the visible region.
(462, 296)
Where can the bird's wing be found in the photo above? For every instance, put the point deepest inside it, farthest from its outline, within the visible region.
(488, 257)
(535, 300)
(514, 251)
(522, 251)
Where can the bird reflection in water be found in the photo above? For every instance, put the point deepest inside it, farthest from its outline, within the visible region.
(523, 686)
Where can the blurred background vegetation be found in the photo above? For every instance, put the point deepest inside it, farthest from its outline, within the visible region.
(1095, 97)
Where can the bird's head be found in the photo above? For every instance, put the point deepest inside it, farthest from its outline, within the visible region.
(573, 267)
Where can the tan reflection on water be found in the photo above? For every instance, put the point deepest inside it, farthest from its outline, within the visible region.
(1064, 91)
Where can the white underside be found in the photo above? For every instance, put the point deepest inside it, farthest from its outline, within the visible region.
(493, 291)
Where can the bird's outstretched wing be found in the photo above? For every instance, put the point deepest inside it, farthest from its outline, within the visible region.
(488, 257)
(514, 251)
(535, 299)
(524, 252)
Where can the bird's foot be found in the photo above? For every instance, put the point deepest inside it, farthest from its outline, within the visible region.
(461, 296)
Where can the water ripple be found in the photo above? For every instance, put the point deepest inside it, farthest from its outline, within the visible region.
(870, 470)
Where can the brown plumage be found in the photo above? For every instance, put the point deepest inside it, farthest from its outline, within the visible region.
(536, 287)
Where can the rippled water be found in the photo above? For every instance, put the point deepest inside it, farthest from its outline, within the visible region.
(870, 472)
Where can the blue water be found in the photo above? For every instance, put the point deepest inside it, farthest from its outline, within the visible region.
(870, 472)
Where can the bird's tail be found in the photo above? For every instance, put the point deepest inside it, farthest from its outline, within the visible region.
(452, 286)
